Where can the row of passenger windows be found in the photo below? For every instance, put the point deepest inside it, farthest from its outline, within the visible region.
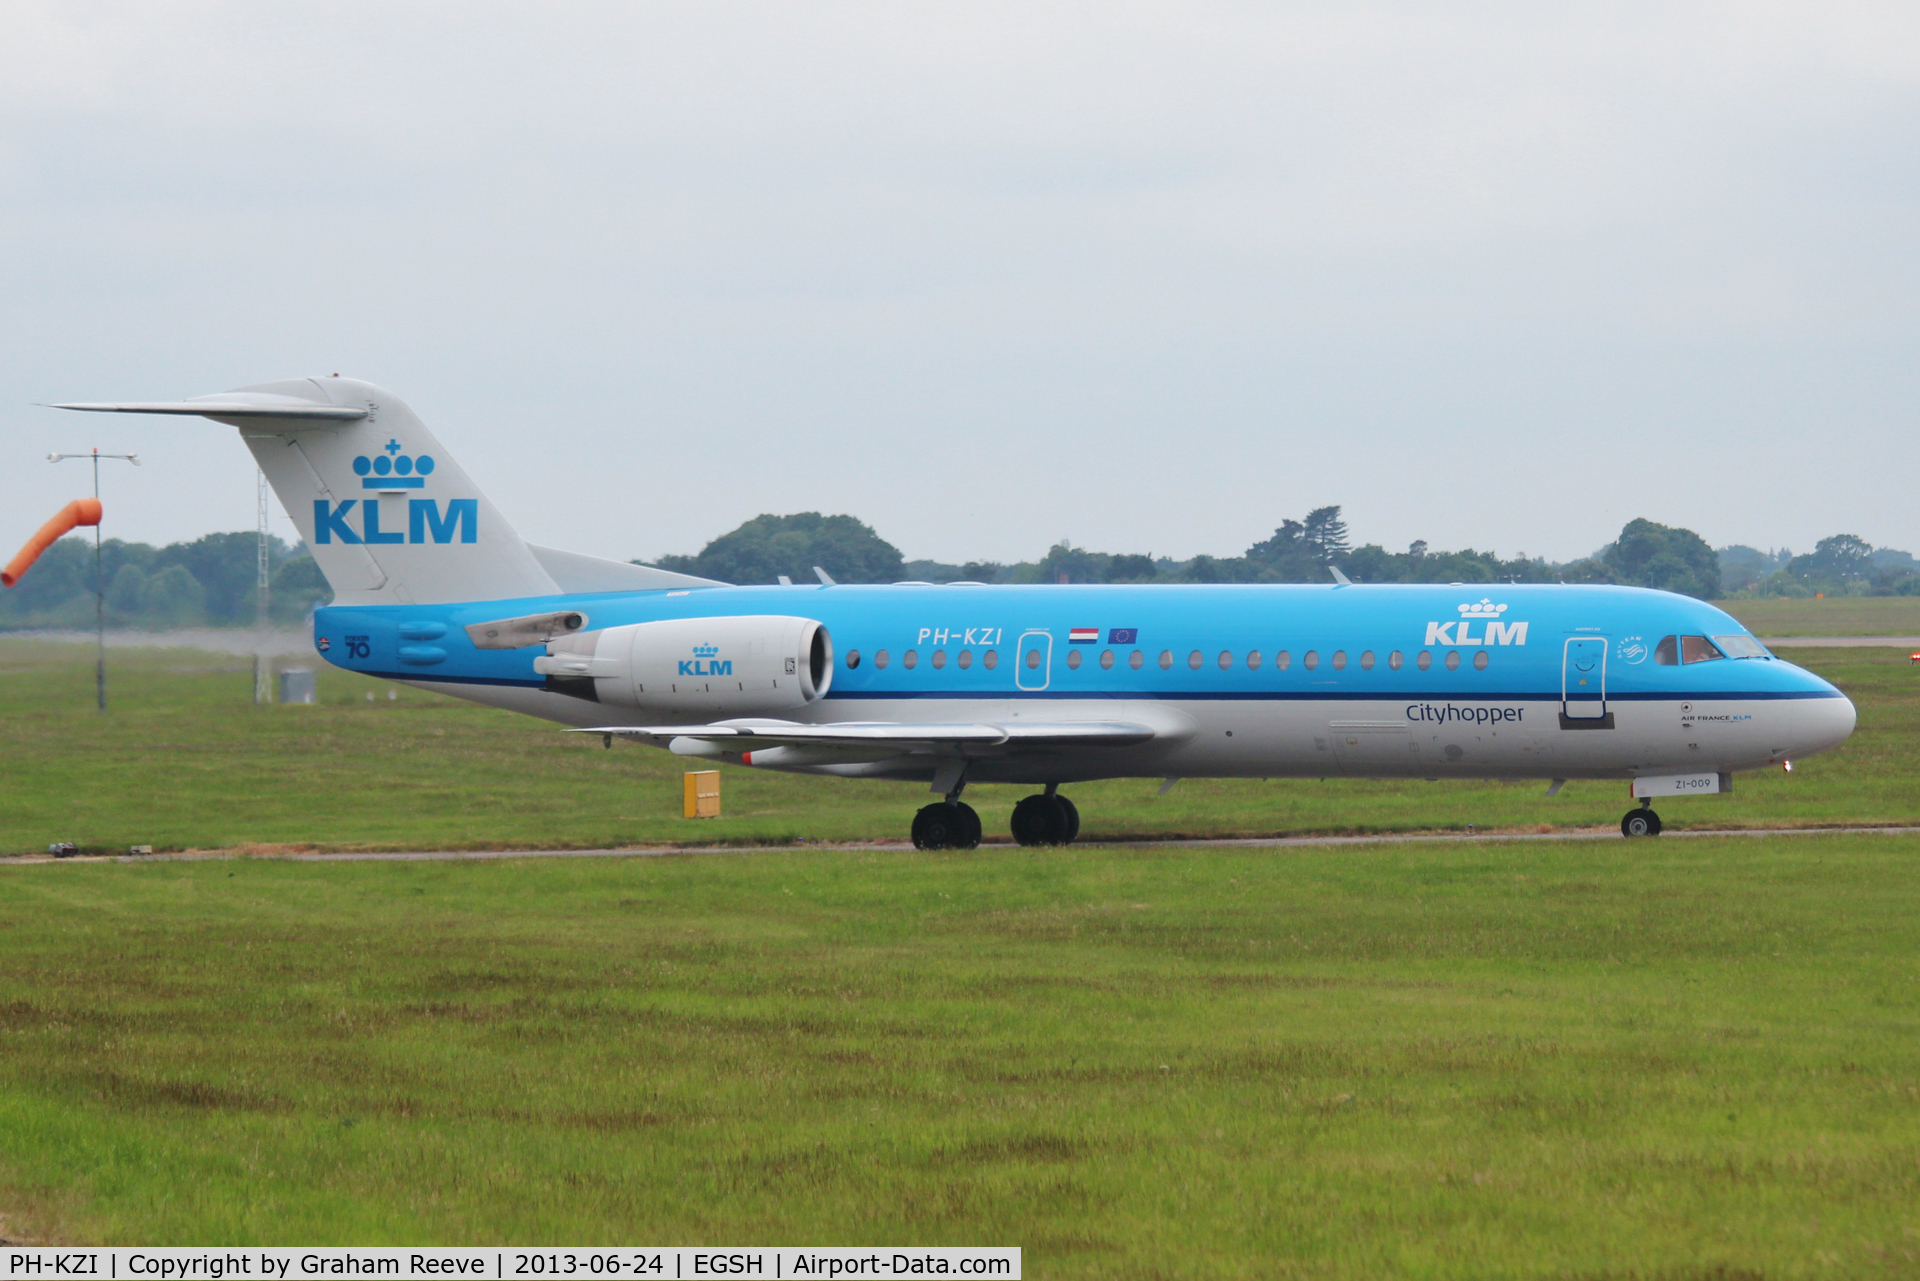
(1282, 659)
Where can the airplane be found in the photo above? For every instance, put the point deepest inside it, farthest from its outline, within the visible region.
(1037, 684)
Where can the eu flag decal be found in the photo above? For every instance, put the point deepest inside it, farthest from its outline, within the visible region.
(1123, 636)
(1083, 636)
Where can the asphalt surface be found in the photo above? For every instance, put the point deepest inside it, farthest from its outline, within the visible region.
(1839, 642)
(665, 851)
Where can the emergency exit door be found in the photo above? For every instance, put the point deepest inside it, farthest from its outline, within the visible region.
(1583, 683)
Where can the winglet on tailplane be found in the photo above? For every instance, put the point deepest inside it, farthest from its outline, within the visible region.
(389, 515)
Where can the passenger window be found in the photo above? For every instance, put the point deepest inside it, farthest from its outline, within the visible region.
(910, 660)
(1667, 652)
(853, 659)
(1480, 661)
(1366, 660)
(1136, 660)
(1033, 660)
(1453, 660)
(1311, 659)
(1424, 661)
(1253, 660)
(1166, 660)
(1226, 659)
(880, 660)
(1282, 660)
(939, 659)
(1106, 659)
(1194, 660)
(966, 659)
(1396, 659)
(1698, 649)
(1073, 659)
(1339, 660)
(990, 659)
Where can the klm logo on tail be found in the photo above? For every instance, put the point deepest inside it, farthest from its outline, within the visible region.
(393, 469)
(389, 471)
(425, 521)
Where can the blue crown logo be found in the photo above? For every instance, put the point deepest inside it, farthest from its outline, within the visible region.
(392, 469)
(705, 651)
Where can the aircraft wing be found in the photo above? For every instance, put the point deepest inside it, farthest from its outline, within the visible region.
(968, 739)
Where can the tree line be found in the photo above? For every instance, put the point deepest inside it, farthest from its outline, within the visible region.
(1646, 554)
(211, 581)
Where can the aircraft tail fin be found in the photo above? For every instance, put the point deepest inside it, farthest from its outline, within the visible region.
(389, 515)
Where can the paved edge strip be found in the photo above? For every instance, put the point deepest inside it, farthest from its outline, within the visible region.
(1220, 842)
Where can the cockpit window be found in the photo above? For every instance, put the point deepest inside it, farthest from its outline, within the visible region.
(1741, 646)
(1667, 652)
(1698, 649)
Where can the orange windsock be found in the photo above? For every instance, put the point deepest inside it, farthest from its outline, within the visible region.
(81, 511)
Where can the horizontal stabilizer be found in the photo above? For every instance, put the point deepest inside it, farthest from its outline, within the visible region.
(232, 405)
(754, 735)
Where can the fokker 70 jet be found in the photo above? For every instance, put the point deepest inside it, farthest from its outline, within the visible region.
(1042, 685)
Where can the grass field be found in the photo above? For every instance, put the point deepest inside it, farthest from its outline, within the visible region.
(184, 760)
(1689, 1058)
(1837, 616)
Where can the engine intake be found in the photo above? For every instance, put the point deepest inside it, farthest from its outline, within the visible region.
(754, 664)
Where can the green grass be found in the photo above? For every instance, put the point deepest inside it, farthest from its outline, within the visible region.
(183, 760)
(1658, 1059)
(1835, 616)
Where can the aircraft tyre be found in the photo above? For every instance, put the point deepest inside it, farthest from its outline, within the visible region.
(946, 825)
(1640, 822)
(1044, 820)
(1073, 818)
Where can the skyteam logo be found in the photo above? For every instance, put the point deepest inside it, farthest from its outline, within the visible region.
(703, 663)
(391, 471)
(1478, 613)
(1630, 649)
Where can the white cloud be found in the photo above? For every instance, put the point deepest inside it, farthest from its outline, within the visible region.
(987, 275)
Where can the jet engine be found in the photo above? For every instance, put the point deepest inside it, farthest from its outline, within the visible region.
(758, 664)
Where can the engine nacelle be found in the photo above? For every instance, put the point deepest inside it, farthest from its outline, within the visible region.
(758, 664)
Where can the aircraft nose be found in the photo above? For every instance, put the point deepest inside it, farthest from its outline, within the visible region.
(1822, 724)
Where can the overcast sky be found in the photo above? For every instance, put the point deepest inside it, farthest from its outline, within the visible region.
(1148, 278)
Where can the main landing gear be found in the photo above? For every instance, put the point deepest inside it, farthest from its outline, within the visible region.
(946, 825)
(1045, 818)
(1640, 822)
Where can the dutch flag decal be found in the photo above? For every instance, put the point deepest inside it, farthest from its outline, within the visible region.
(1083, 636)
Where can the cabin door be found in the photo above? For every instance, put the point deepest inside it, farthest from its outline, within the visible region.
(1583, 679)
(1033, 660)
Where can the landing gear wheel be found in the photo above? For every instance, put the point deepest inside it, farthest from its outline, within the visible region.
(946, 825)
(1044, 820)
(1640, 822)
(1073, 818)
(972, 820)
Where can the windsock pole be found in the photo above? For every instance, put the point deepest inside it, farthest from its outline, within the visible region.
(99, 585)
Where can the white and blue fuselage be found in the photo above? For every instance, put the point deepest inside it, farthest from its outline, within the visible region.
(1261, 681)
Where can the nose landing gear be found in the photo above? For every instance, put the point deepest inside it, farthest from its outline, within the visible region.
(1640, 822)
